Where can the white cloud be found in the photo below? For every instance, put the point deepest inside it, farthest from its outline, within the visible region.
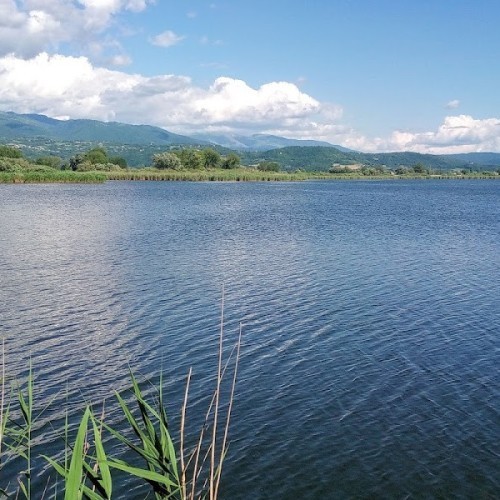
(120, 60)
(166, 39)
(457, 134)
(72, 86)
(454, 104)
(62, 86)
(33, 26)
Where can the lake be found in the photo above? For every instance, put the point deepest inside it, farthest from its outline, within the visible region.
(370, 312)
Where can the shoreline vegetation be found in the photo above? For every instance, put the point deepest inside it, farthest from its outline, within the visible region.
(191, 164)
(143, 450)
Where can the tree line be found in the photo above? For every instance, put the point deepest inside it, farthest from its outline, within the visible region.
(98, 159)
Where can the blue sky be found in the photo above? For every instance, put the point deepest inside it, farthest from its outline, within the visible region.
(373, 75)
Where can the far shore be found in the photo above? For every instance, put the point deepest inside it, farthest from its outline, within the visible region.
(220, 175)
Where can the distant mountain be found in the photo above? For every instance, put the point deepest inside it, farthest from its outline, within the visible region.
(260, 142)
(322, 158)
(39, 135)
(16, 126)
(478, 159)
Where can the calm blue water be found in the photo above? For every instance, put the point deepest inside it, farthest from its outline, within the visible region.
(371, 315)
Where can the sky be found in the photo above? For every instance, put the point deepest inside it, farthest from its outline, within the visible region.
(371, 75)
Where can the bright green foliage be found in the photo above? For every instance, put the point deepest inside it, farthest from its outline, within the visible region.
(268, 166)
(88, 474)
(190, 158)
(210, 158)
(87, 468)
(49, 161)
(13, 164)
(232, 160)
(118, 160)
(15, 435)
(155, 448)
(96, 159)
(167, 161)
(9, 152)
(96, 155)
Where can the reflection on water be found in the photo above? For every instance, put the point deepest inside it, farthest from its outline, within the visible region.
(371, 315)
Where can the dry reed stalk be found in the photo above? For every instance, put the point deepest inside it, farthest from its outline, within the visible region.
(217, 398)
(212, 479)
(183, 422)
(228, 419)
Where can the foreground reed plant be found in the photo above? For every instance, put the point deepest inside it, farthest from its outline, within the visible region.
(15, 433)
(172, 472)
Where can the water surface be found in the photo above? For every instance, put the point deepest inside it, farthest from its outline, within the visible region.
(371, 315)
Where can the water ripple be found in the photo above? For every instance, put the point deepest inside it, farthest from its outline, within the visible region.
(370, 313)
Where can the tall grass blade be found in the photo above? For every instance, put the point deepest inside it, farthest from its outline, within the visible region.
(102, 463)
(74, 478)
(228, 419)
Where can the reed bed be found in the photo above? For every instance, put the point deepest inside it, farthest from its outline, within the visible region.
(219, 175)
(87, 470)
(241, 174)
(51, 176)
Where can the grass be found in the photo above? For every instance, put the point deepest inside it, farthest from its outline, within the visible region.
(239, 174)
(87, 470)
(48, 175)
(16, 434)
(52, 176)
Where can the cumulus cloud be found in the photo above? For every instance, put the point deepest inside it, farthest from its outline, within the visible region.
(166, 39)
(33, 26)
(58, 85)
(63, 86)
(457, 134)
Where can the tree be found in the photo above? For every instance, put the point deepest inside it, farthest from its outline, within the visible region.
(268, 166)
(401, 170)
(210, 158)
(97, 155)
(232, 160)
(190, 158)
(419, 169)
(75, 161)
(168, 161)
(337, 168)
(118, 160)
(49, 161)
(10, 152)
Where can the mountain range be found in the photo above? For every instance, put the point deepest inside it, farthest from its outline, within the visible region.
(15, 126)
(38, 135)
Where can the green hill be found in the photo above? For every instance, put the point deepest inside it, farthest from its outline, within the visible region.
(39, 135)
(29, 126)
(322, 158)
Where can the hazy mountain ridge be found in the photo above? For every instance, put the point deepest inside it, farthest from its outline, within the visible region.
(260, 142)
(322, 158)
(15, 126)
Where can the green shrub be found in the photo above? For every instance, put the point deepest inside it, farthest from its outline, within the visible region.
(167, 161)
(10, 152)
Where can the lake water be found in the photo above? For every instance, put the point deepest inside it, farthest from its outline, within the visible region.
(371, 312)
